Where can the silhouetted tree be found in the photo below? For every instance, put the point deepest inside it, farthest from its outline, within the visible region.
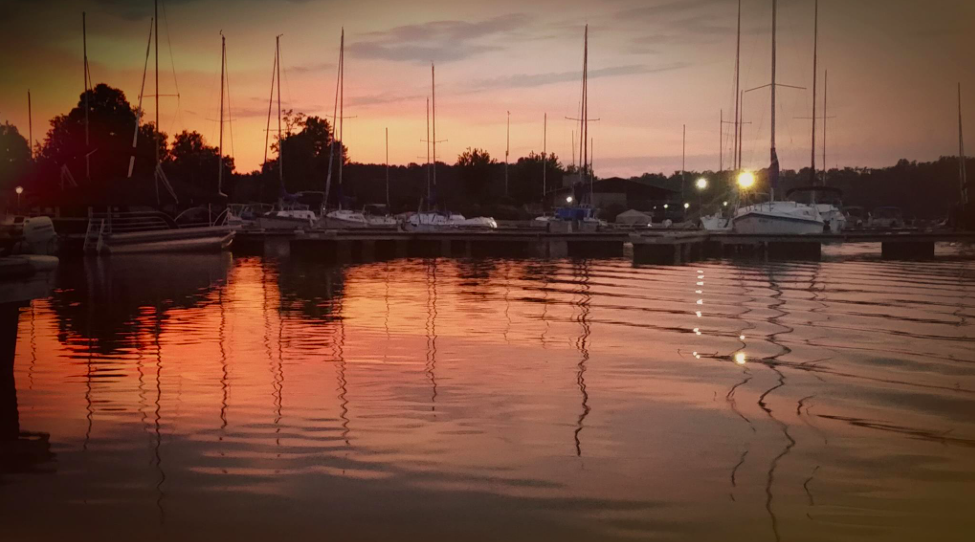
(15, 164)
(474, 167)
(194, 162)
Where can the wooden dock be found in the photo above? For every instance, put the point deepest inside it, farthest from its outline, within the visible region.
(646, 246)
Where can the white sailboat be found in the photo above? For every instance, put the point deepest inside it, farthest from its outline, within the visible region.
(776, 217)
(431, 220)
(290, 213)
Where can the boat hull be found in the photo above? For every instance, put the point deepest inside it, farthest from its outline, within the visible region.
(764, 223)
(274, 223)
(179, 240)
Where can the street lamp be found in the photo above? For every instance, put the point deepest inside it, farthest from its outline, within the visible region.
(666, 206)
(687, 205)
(568, 199)
(702, 184)
(19, 190)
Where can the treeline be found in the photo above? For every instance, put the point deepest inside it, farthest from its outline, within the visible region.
(73, 169)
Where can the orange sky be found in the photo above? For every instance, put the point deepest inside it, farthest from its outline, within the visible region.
(654, 65)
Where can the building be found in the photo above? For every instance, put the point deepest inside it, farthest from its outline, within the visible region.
(616, 192)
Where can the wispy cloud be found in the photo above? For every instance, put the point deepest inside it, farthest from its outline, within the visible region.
(443, 41)
(541, 79)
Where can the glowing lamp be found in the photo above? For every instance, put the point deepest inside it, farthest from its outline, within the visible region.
(702, 183)
(746, 179)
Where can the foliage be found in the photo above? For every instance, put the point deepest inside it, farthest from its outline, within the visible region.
(15, 163)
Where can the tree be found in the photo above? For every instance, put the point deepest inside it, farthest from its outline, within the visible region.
(111, 122)
(474, 167)
(526, 177)
(15, 162)
(306, 153)
(194, 162)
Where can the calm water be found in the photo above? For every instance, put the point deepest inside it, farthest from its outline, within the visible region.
(210, 397)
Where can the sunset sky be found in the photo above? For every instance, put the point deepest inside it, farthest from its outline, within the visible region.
(654, 66)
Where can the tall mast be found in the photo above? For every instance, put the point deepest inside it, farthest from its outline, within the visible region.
(544, 153)
(341, 105)
(84, 41)
(812, 167)
(683, 161)
(962, 174)
(585, 106)
(721, 142)
(335, 112)
(156, 141)
(30, 126)
(277, 63)
(428, 148)
(774, 166)
(737, 165)
(223, 64)
(138, 110)
(433, 90)
(387, 170)
(507, 148)
(825, 91)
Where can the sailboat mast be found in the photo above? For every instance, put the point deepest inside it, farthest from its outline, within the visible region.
(585, 105)
(156, 37)
(721, 141)
(737, 165)
(825, 91)
(387, 170)
(507, 149)
(223, 64)
(775, 5)
(962, 174)
(277, 63)
(30, 126)
(428, 148)
(341, 106)
(84, 41)
(433, 90)
(544, 157)
(812, 167)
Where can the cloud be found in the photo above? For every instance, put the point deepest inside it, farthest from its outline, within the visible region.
(541, 79)
(443, 41)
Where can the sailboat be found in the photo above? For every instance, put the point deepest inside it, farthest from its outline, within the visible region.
(345, 218)
(292, 211)
(776, 217)
(117, 232)
(435, 221)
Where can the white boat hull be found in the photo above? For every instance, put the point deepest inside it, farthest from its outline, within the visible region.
(767, 223)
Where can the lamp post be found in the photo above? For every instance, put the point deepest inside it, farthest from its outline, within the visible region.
(19, 190)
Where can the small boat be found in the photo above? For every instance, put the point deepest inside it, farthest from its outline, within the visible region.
(150, 231)
(443, 221)
(777, 218)
(827, 200)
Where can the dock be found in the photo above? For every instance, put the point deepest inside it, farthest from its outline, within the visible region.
(661, 247)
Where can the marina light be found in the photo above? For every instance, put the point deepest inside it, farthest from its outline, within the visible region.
(568, 199)
(666, 206)
(725, 204)
(746, 179)
(687, 205)
(19, 190)
(702, 183)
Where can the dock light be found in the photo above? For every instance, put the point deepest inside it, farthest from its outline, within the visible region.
(746, 179)
(666, 206)
(19, 190)
(687, 205)
(725, 204)
(702, 183)
(568, 199)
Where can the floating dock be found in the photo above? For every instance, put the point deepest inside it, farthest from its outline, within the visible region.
(646, 247)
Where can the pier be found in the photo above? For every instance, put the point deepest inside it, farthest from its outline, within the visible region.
(645, 247)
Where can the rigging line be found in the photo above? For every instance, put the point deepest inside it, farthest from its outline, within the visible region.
(172, 63)
(230, 116)
(270, 102)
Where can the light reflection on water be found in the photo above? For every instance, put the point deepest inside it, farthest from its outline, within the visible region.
(204, 396)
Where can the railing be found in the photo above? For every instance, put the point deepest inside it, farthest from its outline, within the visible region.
(129, 222)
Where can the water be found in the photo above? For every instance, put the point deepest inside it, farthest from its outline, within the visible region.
(210, 397)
